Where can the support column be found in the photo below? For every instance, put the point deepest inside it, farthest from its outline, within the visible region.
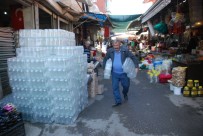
(28, 16)
(36, 15)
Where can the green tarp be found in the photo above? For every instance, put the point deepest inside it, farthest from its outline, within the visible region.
(121, 22)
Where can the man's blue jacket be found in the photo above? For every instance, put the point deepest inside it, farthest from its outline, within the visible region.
(124, 54)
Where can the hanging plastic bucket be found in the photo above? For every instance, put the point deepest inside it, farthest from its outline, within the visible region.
(177, 90)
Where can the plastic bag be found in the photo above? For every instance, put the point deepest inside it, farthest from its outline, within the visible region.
(178, 76)
(129, 68)
(108, 68)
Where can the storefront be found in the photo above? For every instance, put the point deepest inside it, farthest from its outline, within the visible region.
(176, 30)
(11, 19)
(29, 14)
(93, 27)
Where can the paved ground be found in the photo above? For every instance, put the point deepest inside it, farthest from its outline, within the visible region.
(152, 110)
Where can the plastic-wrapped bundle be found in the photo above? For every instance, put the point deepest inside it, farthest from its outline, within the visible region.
(129, 68)
(37, 52)
(40, 77)
(166, 66)
(107, 70)
(47, 37)
(178, 76)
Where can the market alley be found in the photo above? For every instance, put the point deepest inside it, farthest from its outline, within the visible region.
(152, 110)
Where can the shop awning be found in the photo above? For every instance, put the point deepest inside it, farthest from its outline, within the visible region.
(101, 18)
(94, 16)
(94, 19)
(154, 9)
(121, 22)
(135, 25)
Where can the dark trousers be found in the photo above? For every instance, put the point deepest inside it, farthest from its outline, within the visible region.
(125, 82)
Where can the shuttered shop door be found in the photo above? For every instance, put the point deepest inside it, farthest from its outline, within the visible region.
(7, 50)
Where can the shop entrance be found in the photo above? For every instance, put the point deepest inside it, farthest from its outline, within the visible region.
(11, 19)
(10, 12)
(44, 20)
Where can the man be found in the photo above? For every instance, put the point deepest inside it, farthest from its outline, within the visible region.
(118, 54)
(87, 50)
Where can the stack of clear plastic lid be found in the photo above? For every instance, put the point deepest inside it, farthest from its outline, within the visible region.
(49, 80)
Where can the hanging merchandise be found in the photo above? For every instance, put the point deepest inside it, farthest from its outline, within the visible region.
(106, 32)
(178, 28)
(161, 28)
(176, 24)
(179, 17)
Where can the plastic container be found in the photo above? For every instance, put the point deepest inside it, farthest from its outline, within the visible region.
(190, 83)
(177, 90)
(186, 91)
(171, 87)
(200, 91)
(194, 92)
(163, 78)
(196, 83)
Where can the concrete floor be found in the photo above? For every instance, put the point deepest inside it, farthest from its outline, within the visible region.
(152, 110)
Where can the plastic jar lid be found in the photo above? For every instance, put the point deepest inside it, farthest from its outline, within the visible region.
(190, 80)
(194, 88)
(186, 88)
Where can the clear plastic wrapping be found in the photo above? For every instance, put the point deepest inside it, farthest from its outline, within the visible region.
(48, 77)
(129, 68)
(108, 68)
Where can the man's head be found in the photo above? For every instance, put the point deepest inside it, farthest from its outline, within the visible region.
(117, 45)
(87, 43)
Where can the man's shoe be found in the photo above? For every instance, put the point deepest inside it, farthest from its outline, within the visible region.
(126, 98)
(116, 104)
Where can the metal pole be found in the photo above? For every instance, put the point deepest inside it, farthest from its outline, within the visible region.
(1, 90)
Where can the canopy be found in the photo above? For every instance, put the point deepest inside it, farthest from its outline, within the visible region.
(101, 18)
(154, 9)
(121, 22)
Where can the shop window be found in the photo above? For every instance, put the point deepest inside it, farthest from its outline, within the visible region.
(65, 26)
(44, 20)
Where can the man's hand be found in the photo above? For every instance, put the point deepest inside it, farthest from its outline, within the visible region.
(98, 59)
